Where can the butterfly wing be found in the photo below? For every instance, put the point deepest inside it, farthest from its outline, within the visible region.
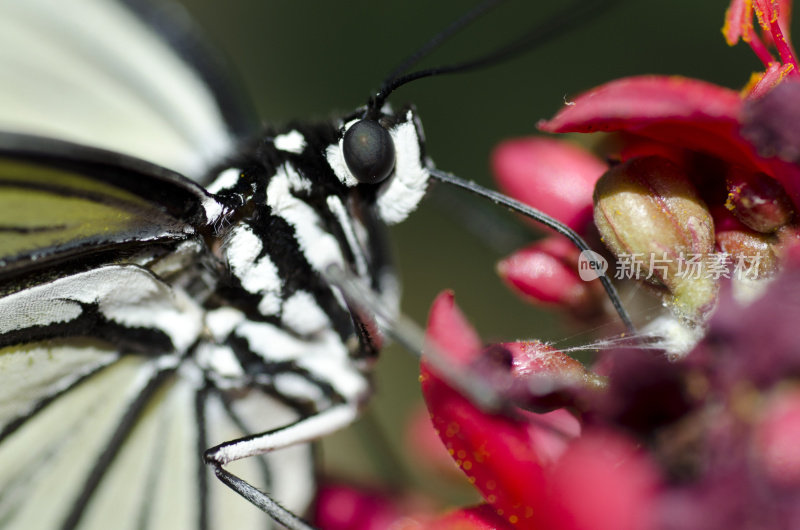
(79, 291)
(133, 78)
(103, 411)
(60, 201)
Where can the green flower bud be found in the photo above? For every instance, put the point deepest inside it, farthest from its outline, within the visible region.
(647, 209)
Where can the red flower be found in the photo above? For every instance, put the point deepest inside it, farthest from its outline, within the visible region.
(728, 150)
(701, 442)
(557, 178)
(705, 442)
(687, 115)
(535, 470)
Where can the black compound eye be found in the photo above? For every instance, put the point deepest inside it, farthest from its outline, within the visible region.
(368, 151)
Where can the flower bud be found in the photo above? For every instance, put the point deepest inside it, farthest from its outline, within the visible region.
(751, 253)
(758, 201)
(651, 217)
(547, 273)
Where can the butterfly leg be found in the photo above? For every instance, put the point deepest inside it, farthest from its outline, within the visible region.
(301, 431)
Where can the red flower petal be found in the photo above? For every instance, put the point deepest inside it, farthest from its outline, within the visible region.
(449, 330)
(678, 111)
(638, 147)
(633, 102)
(601, 483)
(482, 517)
(425, 445)
(552, 176)
(494, 451)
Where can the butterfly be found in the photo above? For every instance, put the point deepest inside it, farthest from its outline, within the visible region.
(162, 274)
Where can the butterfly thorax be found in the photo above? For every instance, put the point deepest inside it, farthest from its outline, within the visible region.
(291, 208)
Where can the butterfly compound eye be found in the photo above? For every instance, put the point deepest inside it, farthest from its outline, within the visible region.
(368, 151)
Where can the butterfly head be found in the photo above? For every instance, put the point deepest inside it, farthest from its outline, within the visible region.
(383, 156)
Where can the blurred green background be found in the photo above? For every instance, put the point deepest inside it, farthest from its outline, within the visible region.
(307, 60)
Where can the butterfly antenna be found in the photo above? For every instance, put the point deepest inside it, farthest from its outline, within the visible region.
(440, 38)
(479, 390)
(546, 220)
(563, 21)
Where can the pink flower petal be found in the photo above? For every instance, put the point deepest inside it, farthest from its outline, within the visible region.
(345, 507)
(481, 517)
(550, 433)
(533, 357)
(777, 436)
(601, 483)
(546, 272)
(552, 176)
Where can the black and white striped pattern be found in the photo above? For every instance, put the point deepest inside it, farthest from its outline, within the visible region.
(205, 323)
(110, 389)
(305, 214)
